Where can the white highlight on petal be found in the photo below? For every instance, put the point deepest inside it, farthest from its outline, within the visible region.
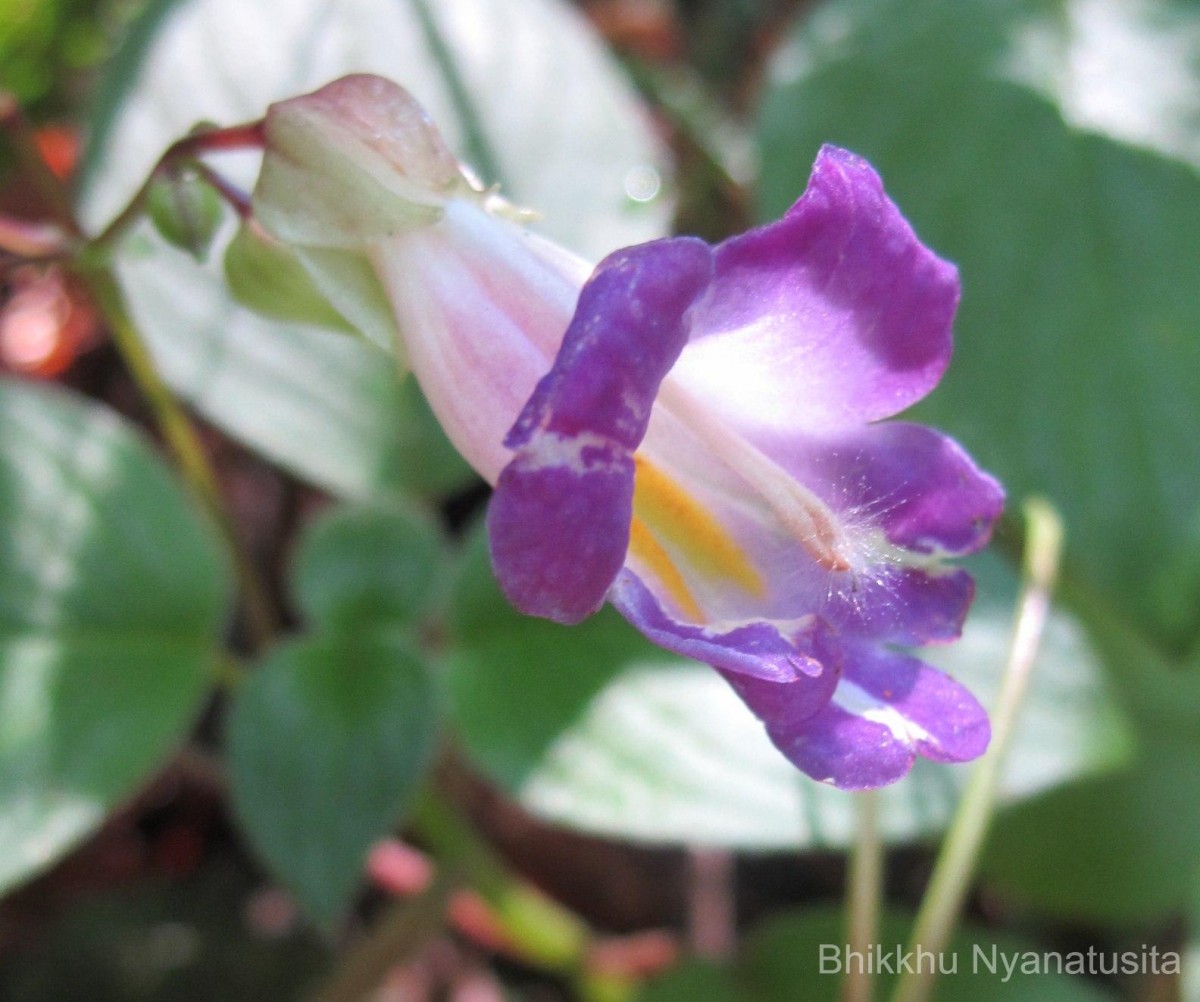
(857, 701)
(807, 518)
(482, 306)
(584, 453)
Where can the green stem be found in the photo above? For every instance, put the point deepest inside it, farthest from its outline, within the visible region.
(177, 429)
(540, 932)
(183, 441)
(864, 895)
(249, 134)
(956, 862)
(397, 937)
(545, 933)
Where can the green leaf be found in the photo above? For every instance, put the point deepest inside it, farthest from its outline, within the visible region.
(785, 954)
(330, 738)
(592, 727)
(113, 594)
(328, 409)
(1005, 132)
(803, 955)
(367, 565)
(479, 67)
(328, 742)
(1118, 849)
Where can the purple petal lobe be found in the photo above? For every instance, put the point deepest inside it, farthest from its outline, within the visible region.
(833, 316)
(914, 483)
(751, 652)
(904, 605)
(888, 708)
(558, 531)
(559, 518)
(846, 751)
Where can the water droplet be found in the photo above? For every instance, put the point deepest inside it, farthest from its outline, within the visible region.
(643, 183)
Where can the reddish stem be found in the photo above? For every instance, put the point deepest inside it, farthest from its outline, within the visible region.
(47, 183)
(248, 135)
(30, 240)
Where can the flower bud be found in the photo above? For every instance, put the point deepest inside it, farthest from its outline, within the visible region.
(350, 164)
(360, 186)
(186, 212)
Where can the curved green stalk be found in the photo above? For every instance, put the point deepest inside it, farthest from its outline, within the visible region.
(951, 878)
(183, 441)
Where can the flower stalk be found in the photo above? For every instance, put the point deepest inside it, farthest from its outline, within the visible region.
(398, 936)
(245, 136)
(88, 253)
(864, 893)
(184, 442)
(545, 933)
(955, 865)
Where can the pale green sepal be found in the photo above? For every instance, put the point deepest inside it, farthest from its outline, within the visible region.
(270, 279)
(349, 282)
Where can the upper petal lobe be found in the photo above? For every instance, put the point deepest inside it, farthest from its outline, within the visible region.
(559, 519)
(833, 316)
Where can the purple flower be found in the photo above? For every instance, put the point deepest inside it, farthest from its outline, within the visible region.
(703, 454)
(701, 447)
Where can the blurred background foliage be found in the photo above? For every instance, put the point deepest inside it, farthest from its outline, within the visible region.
(170, 832)
(51, 49)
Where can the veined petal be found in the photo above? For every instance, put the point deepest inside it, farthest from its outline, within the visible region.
(916, 485)
(906, 496)
(833, 316)
(888, 708)
(903, 605)
(481, 306)
(559, 518)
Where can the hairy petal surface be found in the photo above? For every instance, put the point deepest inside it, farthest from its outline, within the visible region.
(559, 518)
(833, 316)
(916, 485)
(903, 605)
(899, 511)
